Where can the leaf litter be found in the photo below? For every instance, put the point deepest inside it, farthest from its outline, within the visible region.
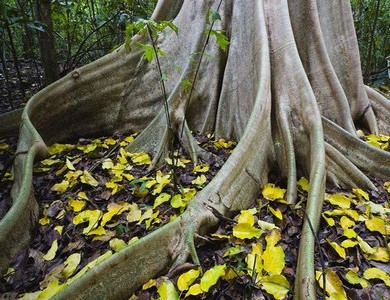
(96, 199)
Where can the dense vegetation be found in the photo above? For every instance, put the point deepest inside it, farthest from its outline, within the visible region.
(86, 30)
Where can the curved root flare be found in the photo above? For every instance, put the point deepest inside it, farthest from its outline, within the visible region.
(289, 89)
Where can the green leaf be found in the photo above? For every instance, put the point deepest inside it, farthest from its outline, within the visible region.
(148, 50)
(222, 39)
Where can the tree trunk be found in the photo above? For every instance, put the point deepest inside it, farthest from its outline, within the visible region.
(46, 41)
(289, 89)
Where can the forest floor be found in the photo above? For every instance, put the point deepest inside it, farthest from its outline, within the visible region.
(95, 199)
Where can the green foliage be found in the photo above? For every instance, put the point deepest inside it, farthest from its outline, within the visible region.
(372, 23)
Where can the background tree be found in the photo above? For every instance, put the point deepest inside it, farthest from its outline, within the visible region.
(46, 41)
(288, 88)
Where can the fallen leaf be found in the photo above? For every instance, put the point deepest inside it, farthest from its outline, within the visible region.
(71, 264)
(211, 276)
(117, 244)
(275, 285)
(354, 278)
(334, 286)
(87, 178)
(167, 291)
(272, 192)
(339, 200)
(52, 251)
(186, 279)
(194, 290)
(375, 273)
(246, 231)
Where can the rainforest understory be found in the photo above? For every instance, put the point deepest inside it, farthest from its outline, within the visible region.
(288, 89)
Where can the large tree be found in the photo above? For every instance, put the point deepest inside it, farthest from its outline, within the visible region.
(288, 88)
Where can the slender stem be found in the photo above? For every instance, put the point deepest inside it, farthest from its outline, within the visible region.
(197, 70)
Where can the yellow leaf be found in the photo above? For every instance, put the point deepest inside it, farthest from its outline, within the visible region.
(362, 195)
(365, 246)
(162, 181)
(194, 290)
(70, 165)
(151, 283)
(61, 187)
(114, 209)
(89, 266)
(211, 276)
(109, 141)
(107, 164)
(334, 286)
(177, 201)
(117, 244)
(50, 162)
(44, 221)
(266, 226)
(275, 285)
(140, 158)
(345, 222)
(203, 168)
(349, 243)
(88, 179)
(272, 192)
(97, 231)
(221, 143)
(375, 273)
(71, 264)
(135, 213)
(76, 205)
(167, 291)
(52, 251)
(273, 256)
(153, 219)
(129, 177)
(162, 198)
(339, 200)
(90, 216)
(246, 216)
(380, 254)
(186, 279)
(376, 224)
(340, 250)
(177, 162)
(87, 148)
(354, 278)
(59, 229)
(220, 236)
(52, 289)
(386, 185)
(146, 215)
(82, 195)
(350, 233)
(330, 221)
(276, 212)
(303, 184)
(229, 274)
(3, 146)
(254, 260)
(246, 231)
(58, 148)
(199, 180)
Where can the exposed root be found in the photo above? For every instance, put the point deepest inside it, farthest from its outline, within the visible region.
(372, 161)
(159, 141)
(344, 172)
(10, 122)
